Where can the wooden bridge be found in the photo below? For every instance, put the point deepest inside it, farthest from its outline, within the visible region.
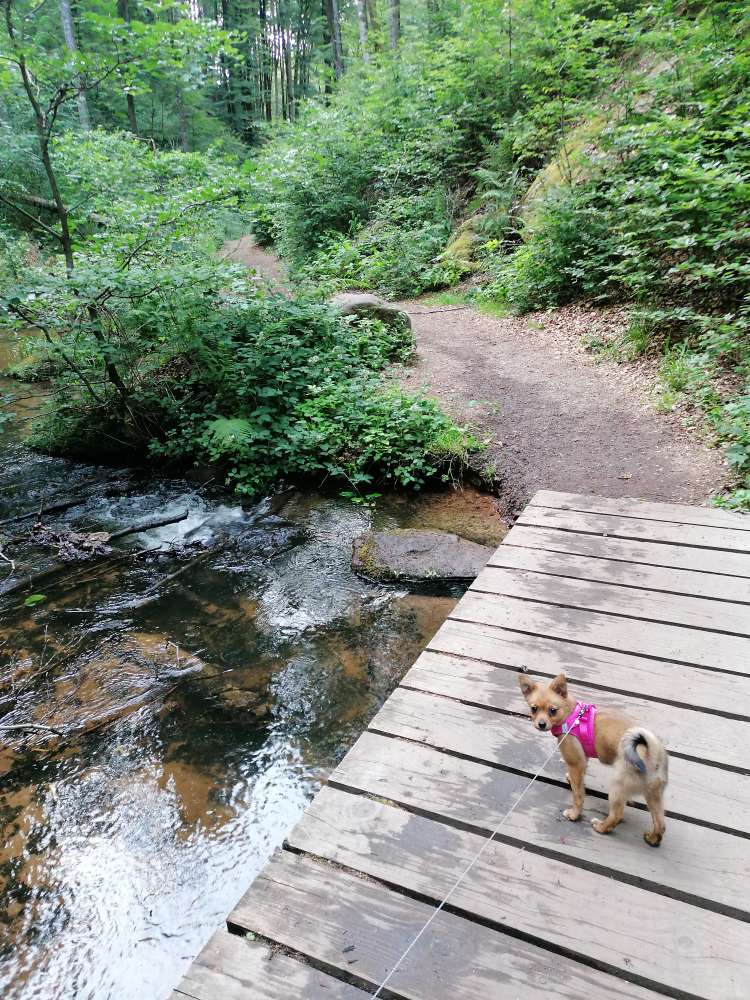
(646, 607)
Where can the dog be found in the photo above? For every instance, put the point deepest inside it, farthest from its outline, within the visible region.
(638, 757)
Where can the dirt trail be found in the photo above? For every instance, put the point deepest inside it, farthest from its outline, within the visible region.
(554, 417)
(246, 251)
(557, 418)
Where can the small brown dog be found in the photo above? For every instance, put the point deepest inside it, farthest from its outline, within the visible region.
(638, 757)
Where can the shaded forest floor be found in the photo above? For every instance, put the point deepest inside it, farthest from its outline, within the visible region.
(552, 415)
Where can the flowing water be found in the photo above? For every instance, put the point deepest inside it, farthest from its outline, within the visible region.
(176, 704)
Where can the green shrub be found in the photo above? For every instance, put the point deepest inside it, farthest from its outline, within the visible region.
(398, 253)
(269, 388)
(563, 257)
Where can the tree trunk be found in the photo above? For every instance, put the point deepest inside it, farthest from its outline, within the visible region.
(338, 49)
(183, 118)
(327, 47)
(362, 24)
(289, 81)
(394, 22)
(70, 40)
(123, 11)
(265, 59)
(372, 20)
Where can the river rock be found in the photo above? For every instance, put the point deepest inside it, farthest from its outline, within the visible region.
(370, 307)
(416, 554)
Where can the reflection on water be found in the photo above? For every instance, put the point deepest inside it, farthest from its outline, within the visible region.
(194, 713)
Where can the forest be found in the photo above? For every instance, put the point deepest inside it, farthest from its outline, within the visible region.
(517, 156)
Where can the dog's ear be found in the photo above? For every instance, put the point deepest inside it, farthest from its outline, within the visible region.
(559, 685)
(526, 684)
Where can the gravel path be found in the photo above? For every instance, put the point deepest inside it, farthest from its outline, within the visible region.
(553, 416)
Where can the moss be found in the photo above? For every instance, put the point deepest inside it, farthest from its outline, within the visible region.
(460, 250)
(570, 166)
(368, 563)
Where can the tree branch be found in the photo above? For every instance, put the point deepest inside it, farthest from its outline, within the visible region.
(170, 222)
(30, 321)
(33, 218)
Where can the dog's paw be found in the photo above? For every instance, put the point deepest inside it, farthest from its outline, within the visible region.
(572, 814)
(598, 825)
(652, 839)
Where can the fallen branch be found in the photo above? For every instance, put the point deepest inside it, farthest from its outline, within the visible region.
(53, 508)
(32, 579)
(183, 569)
(148, 525)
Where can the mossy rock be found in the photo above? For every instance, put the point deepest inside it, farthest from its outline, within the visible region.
(570, 166)
(460, 249)
(417, 555)
(368, 306)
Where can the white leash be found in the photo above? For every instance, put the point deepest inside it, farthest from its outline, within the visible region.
(469, 866)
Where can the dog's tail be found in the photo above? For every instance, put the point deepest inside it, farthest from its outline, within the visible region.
(655, 756)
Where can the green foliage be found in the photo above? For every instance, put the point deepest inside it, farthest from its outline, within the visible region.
(364, 191)
(397, 253)
(562, 260)
(660, 216)
(269, 389)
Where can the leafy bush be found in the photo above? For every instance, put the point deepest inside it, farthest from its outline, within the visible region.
(563, 258)
(397, 253)
(268, 388)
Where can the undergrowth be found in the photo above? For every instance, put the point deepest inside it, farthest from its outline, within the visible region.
(265, 388)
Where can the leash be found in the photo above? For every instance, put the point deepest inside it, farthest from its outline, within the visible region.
(473, 861)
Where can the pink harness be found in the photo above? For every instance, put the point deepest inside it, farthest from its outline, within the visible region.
(580, 723)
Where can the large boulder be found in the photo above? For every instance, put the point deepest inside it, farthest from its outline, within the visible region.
(370, 307)
(417, 555)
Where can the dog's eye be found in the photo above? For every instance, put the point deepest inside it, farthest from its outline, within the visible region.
(553, 711)
(533, 709)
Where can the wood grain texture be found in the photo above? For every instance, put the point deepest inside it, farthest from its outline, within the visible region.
(680, 512)
(693, 861)
(593, 628)
(361, 927)
(608, 669)
(561, 534)
(613, 598)
(695, 790)
(518, 890)
(700, 536)
(683, 730)
(588, 557)
(232, 967)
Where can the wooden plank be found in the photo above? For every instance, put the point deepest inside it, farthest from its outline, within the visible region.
(726, 539)
(613, 598)
(550, 536)
(602, 668)
(592, 628)
(695, 791)
(696, 863)
(681, 512)
(232, 967)
(708, 738)
(589, 557)
(514, 889)
(362, 928)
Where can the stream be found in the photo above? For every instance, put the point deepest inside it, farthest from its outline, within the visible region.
(189, 694)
